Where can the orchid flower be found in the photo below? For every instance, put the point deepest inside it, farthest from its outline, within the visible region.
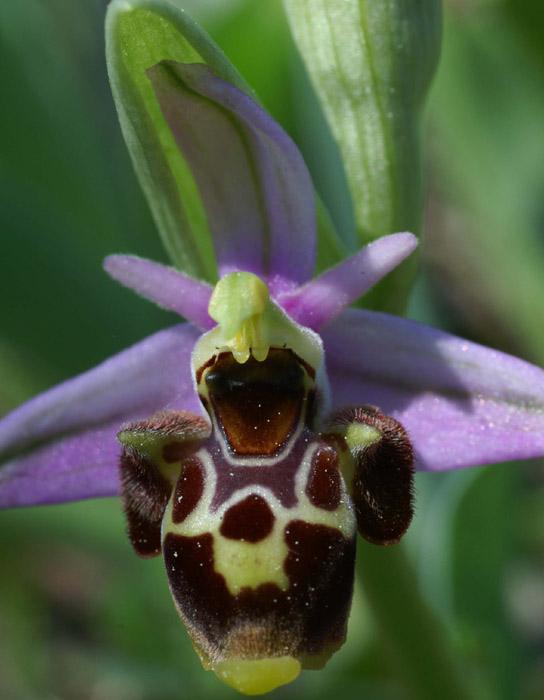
(252, 441)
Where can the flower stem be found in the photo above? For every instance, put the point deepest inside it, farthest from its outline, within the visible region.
(415, 639)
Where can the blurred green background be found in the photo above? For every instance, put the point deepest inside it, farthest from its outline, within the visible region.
(81, 617)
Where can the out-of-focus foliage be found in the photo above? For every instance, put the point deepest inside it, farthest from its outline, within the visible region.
(81, 617)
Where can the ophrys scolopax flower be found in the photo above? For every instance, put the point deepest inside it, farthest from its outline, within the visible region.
(252, 451)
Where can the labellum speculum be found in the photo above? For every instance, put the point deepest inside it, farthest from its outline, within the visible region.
(256, 510)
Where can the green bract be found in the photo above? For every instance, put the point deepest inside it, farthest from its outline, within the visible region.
(371, 64)
(140, 34)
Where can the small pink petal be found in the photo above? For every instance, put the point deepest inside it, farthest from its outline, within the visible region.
(320, 300)
(163, 285)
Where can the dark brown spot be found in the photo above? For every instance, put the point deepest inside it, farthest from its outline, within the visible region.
(382, 489)
(320, 566)
(323, 487)
(257, 404)
(265, 622)
(177, 451)
(189, 489)
(250, 520)
(144, 495)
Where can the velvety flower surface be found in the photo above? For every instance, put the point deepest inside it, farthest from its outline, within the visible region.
(460, 404)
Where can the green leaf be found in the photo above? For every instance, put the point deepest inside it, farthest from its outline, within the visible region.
(139, 34)
(484, 545)
(418, 646)
(371, 64)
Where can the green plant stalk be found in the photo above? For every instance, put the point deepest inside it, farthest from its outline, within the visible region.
(415, 639)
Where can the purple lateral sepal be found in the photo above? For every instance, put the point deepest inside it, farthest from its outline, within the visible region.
(462, 404)
(320, 300)
(60, 446)
(74, 468)
(255, 187)
(163, 285)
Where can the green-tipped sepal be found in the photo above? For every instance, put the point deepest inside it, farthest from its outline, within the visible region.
(140, 34)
